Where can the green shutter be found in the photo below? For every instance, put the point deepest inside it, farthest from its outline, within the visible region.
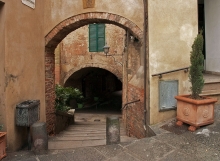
(101, 37)
(96, 37)
(92, 38)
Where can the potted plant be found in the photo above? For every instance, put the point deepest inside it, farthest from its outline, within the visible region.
(2, 143)
(194, 109)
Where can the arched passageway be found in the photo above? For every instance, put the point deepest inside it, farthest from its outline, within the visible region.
(57, 34)
(101, 89)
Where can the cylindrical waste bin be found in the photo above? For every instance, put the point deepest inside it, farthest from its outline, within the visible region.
(112, 130)
(39, 138)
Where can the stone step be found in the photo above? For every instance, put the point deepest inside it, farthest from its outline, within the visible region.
(211, 86)
(74, 138)
(89, 128)
(213, 95)
(70, 137)
(211, 92)
(71, 144)
(84, 133)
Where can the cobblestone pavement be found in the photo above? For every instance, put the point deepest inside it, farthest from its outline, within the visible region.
(201, 145)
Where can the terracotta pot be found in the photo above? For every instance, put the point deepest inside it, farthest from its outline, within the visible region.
(195, 112)
(2, 145)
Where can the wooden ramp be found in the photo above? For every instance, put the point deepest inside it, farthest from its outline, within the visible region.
(88, 130)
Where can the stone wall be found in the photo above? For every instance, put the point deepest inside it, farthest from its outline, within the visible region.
(134, 113)
(75, 55)
(63, 120)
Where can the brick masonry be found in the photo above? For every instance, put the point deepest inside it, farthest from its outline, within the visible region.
(50, 93)
(134, 114)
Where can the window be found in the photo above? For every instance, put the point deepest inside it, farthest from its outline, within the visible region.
(96, 37)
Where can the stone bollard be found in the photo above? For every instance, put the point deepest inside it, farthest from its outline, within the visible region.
(112, 130)
(39, 138)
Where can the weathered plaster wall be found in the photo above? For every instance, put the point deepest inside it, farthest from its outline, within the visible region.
(24, 64)
(172, 29)
(212, 34)
(75, 53)
(58, 11)
(2, 66)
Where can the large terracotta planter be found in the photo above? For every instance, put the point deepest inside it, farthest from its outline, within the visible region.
(195, 112)
(2, 145)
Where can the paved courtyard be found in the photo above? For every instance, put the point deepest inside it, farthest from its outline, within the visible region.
(201, 145)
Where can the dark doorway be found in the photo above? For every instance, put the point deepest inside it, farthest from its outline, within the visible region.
(201, 21)
(101, 89)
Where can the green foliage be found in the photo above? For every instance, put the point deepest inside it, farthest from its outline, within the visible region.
(196, 68)
(64, 95)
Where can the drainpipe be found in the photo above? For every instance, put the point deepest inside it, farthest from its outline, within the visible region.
(126, 70)
(146, 70)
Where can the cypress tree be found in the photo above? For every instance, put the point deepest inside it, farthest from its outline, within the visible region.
(196, 68)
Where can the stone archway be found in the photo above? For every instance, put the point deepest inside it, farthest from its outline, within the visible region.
(56, 35)
(114, 71)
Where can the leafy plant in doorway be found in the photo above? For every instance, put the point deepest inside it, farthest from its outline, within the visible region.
(64, 95)
(194, 109)
(79, 98)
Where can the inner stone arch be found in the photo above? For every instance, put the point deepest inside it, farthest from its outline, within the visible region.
(114, 71)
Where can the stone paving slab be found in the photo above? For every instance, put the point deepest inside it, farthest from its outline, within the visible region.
(110, 150)
(123, 156)
(178, 156)
(149, 149)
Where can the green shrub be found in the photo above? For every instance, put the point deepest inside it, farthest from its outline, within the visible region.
(196, 68)
(64, 95)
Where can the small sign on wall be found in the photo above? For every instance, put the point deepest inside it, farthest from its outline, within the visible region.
(88, 4)
(167, 91)
(29, 3)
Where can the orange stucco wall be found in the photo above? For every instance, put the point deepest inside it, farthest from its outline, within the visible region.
(24, 75)
(2, 66)
(172, 29)
(58, 11)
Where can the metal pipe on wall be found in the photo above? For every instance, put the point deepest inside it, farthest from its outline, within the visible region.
(146, 70)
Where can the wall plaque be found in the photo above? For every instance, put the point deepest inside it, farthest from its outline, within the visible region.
(167, 91)
(88, 4)
(29, 3)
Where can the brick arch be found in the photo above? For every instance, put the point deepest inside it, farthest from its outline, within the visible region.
(111, 69)
(58, 33)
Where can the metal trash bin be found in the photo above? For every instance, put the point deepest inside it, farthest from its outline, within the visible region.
(27, 112)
